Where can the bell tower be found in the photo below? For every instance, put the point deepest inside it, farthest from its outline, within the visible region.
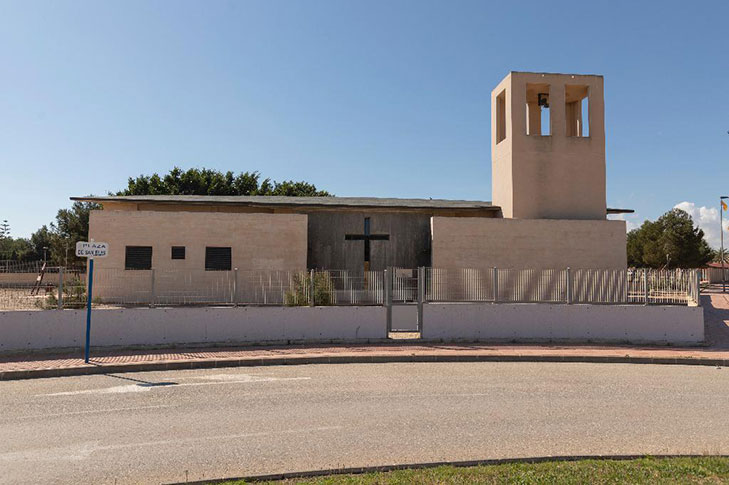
(548, 146)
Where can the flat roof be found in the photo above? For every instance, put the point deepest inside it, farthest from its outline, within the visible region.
(273, 200)
(303, 202)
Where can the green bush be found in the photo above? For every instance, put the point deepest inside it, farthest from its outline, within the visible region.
(74, 295)
(298, 294)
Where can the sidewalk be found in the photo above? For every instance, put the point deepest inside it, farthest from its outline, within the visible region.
(715, 353)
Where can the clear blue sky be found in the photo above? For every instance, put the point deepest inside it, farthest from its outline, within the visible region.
(379, 98)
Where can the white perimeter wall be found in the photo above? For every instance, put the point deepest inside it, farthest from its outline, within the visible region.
(36, 330)
(614, 323)
(161, 326)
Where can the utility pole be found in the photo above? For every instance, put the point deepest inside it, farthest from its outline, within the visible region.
(721, 231)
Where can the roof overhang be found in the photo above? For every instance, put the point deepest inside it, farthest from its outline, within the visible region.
(300, 203)
(619, 211)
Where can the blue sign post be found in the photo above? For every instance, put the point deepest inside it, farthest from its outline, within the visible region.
(88, 309)
(90, 250)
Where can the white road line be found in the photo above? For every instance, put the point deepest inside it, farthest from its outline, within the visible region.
(218, 437)
(93, 411)
(83, 451)
(225, 379)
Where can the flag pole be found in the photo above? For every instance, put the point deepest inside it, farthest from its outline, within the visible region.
(721, 232)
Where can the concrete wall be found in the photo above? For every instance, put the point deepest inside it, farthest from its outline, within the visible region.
(258, 241)
(524, 322)
(554, 176)
(26, 278)
(60, 329)
(408, 246)
(523, 244)
(21, 279)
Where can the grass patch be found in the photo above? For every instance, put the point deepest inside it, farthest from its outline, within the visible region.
(704, 470)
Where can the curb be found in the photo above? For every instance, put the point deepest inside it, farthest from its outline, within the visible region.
(346, 359)
(420, 466)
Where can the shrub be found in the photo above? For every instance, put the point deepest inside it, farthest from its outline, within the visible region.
(298, 295)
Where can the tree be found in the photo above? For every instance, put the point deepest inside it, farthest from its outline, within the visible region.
(206, 181)
(18, 249)
(672, 241)
(71, 225)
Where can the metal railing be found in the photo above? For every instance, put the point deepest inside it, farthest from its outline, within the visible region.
(122, 288)
(588, 286)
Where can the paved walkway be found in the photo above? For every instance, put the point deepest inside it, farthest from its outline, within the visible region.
(715, 352)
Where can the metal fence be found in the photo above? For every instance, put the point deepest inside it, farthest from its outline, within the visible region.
(590, 286)
(122, 288)
(11, 266)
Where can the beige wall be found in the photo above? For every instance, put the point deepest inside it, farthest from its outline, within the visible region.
(555, 176)
(258, 241)
(521, 244)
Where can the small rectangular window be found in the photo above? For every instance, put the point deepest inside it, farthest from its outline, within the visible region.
(217, 259)
(138, 257)
(501, 116)
(178, 252)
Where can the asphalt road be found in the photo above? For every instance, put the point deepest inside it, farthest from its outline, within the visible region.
(169, 426)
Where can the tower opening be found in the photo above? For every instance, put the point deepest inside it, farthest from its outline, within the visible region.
(537, 110)
(501, 116)
(577, 110)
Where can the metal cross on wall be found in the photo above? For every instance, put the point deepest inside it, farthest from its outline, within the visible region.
(367, 237)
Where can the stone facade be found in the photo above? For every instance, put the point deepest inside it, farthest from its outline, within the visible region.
(257, 241)
(526, 244)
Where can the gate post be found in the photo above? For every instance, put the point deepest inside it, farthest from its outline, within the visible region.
(311, 288)
(569, 286)
(421, 297)
(645, 286)
(234, 296)
(152, 297)
(387, 275)
(495, 284)
(60, 288)
(697, 282)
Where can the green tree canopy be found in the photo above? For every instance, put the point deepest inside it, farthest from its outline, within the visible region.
(672, 241)
(59, 238)
(204, 181)
(72, 225)
(13, 249)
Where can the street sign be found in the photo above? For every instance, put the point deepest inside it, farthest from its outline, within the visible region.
(91, 249)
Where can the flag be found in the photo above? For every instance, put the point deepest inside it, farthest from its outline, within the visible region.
(723, 205)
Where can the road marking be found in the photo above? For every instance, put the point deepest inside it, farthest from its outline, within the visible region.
(218, 437)
(106, 390)
(214, 380)
(94, 411)
(82, 451)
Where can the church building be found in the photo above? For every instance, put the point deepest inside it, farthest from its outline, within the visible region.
(548, 210)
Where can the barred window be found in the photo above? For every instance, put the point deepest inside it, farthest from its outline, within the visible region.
(178, 252)
(138, 257)
(217, 259)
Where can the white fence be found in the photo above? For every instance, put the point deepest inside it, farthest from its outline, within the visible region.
(121, 288)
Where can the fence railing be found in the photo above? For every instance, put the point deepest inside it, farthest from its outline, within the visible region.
(119, 287)
(593, 286)
(32, 267)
